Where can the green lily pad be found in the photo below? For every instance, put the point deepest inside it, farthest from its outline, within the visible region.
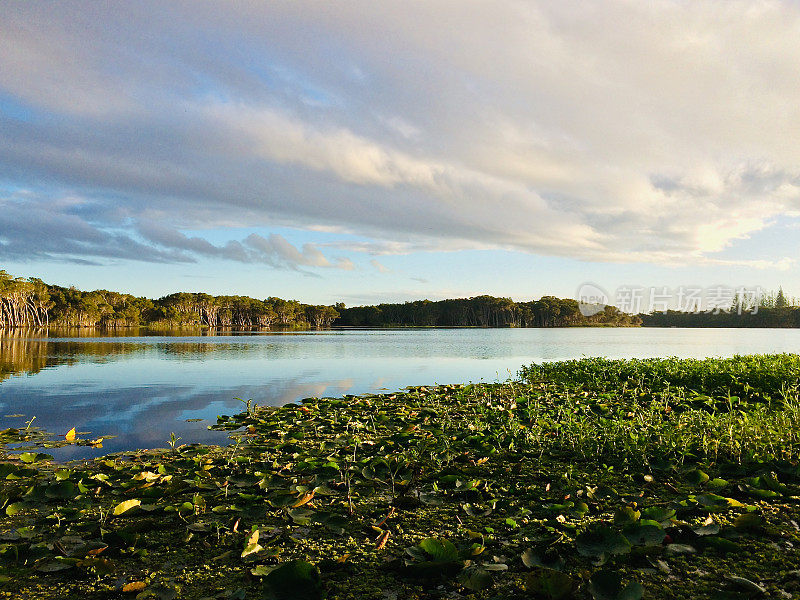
(440, 550)
(34, 457)
(602, 541)
(625, 515)
(62, 490)
(57, 564)
(608, 585)
(658, 513)
(717, 484)
(644, 534)
(713, 502)
(697, 477)
(475, 578)
(748, 522)
(552, 585)
(15, 508)
(294, 580)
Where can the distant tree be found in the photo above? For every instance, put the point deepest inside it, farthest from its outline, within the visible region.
(780, 299)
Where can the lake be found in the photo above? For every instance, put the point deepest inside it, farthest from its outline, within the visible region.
(142, 388)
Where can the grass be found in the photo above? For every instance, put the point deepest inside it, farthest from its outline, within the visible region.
(586, 479)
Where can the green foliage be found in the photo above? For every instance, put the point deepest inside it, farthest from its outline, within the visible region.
(608, 585)
(575, 482)
(483, 311)
(294, 580)
(32, 303)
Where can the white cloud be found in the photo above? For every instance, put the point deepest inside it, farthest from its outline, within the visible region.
(657, 132)
(381, 268)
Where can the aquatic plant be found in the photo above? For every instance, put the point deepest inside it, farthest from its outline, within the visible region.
(592, 478)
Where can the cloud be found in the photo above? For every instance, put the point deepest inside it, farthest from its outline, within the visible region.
(33, 227)
(276, 250)
(380, 267)
(655, 132)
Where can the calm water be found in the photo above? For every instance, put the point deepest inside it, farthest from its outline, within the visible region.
(141, 388)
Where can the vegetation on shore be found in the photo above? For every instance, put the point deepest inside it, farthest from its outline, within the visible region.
(772, 317)
(586, 479)
(33, 303)
(484, 311)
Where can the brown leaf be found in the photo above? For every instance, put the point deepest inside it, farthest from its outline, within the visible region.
(382, 540)
(134, 586)
(386, 518)
(304, 499)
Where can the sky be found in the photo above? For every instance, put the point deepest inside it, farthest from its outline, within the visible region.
(369, 151)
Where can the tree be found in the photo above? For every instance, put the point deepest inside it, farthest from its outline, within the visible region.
(780, 299)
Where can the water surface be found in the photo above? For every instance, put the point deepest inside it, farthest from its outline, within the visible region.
(143, 387)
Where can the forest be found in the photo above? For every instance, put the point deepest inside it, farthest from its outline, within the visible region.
(483, 311)
(30, 302)
(33, 303)
(788, 316)
(773, 309)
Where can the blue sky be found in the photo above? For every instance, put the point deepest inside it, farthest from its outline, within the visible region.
(370, 152)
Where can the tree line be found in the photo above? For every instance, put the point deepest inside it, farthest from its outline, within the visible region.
(770, 310)
(30, 302)
(765, 317)
(33, 303)
(483, 311)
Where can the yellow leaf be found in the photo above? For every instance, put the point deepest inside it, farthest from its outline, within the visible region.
(134, 586)
(125, 506)
(252, 545)
(70, 437)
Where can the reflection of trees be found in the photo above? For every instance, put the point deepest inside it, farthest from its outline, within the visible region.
(20, 353)
(30, 351)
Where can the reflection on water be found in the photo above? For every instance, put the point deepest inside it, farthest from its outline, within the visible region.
(142, 387)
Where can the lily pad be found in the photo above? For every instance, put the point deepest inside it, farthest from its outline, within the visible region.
(697, 477)
(644, 534)
(625, 515)
(552, 585)
(601, 541)
(608, 585)
(294, 580)
(658, 513)
(545, 558)
(748, 522)
(125, 506)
